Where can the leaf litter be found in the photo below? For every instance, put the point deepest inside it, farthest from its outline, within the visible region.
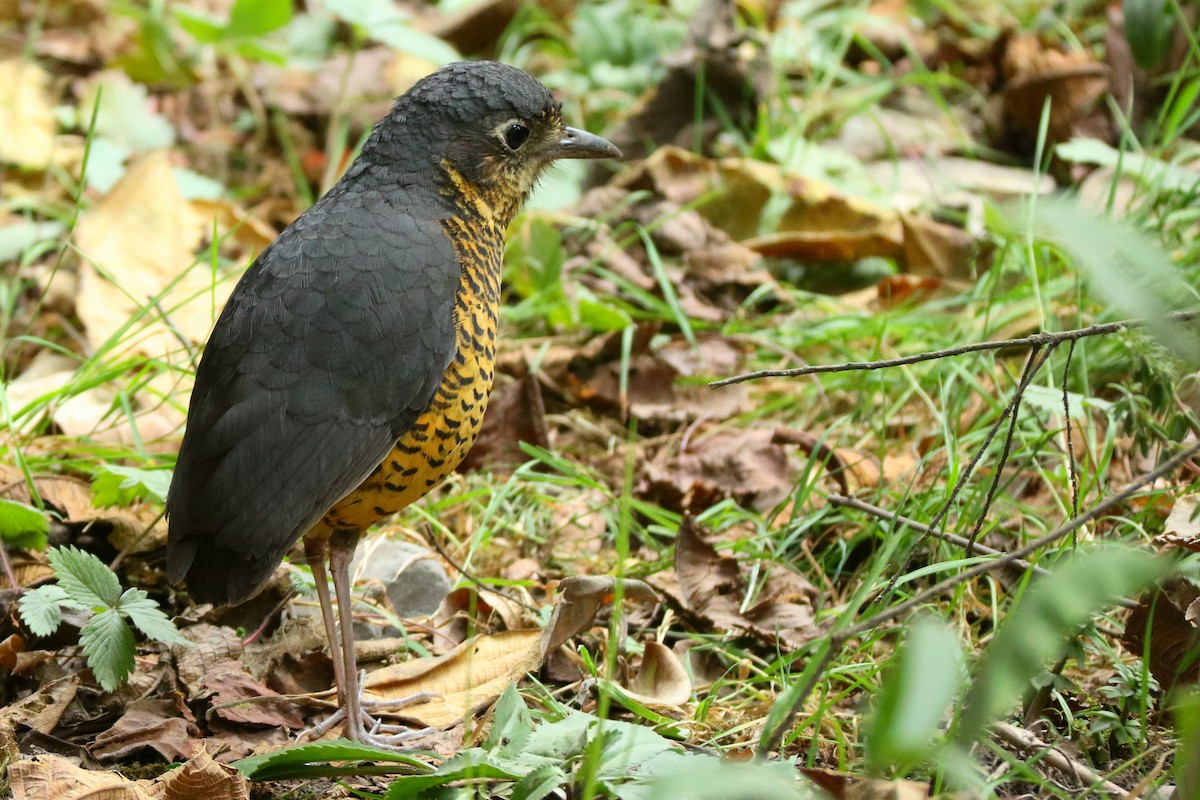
(701, 239)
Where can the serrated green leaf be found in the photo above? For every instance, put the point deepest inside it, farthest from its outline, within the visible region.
(108, 644)
(1037, 629)
(257, 17)
(511, 723)
(920, 682)
(23, 525)
(41, 608)
(86, 579)
(149, 618)
(114, 485)
(539, 783)
(306, 759)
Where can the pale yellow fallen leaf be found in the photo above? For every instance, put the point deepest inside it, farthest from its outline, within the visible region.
(469, 677)
(26, 115)
(134, 243)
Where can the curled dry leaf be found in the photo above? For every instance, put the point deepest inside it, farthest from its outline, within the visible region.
(712, 589)
(747, 465)
(149, 724)
(200, 778)
(137, 528)
(1073, 84)
(581, 596)
(661, 678)
(1182, 528)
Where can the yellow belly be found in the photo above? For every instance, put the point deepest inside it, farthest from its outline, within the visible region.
(429, 451)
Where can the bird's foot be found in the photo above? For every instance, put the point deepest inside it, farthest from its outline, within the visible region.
(368, 729)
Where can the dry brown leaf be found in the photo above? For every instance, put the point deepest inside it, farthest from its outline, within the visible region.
(26, 115)
(144, 235)
(1182, 528)
(200, 778)
(747, 465)
(661, 678)
(211, 644)
(46, 776)
(42, 710)
(581, 596)
(712, 589)
(137, 528)
(238, 697)
(515, 414)
(1169, 617)
(149, 724)
(469, 677)
(1073, 84)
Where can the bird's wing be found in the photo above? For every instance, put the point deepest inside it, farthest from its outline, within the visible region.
(332, 344)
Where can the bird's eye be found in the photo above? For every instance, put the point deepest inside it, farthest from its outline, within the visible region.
(516, 135)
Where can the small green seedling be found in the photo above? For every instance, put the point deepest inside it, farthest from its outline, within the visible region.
(84, 582)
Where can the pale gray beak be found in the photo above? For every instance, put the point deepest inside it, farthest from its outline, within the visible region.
(581, 144)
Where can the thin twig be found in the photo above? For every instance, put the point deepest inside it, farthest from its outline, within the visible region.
(1032, 367)
(1037, 358)
(1038, 339)
(771, 738)
(1028, 745)
(908, 522)
(1074, 473)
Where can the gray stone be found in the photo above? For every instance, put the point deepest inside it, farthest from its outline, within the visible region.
(413, 577)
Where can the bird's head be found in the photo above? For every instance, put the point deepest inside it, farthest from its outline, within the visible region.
(491, 128)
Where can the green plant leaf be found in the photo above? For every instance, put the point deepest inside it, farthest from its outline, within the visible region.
(108, 644)
(114, 485)
(149, 618)
(699, 777)
(86, 579)
(539, 783)
(1127, 267)
(308, 760)
(1150, 30)
(202, 28)
(1187, 755)
(23, 525)
(257, 17)
(41, 608)
(511, 723)
(1038, 628)
(922, 679)
(472, 764)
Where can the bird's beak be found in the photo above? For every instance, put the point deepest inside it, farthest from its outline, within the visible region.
(581, 144)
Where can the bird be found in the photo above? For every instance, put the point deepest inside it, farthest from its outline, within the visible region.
(349, 371)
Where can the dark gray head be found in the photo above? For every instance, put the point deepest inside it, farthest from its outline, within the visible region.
(495, 126)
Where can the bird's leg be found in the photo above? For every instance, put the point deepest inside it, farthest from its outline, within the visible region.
(341, 551)
(360, 726)
(316, 553)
